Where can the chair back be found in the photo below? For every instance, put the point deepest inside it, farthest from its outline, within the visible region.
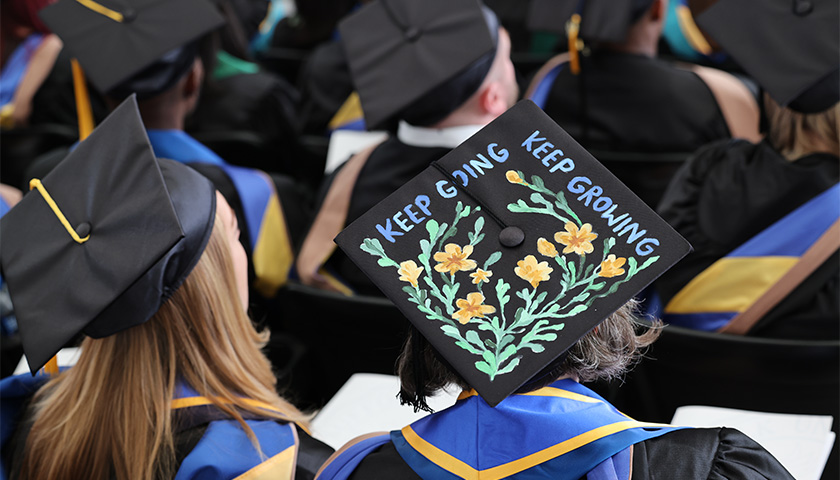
(689, 367)
(342, 336)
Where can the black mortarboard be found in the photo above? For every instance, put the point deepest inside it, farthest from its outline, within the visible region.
(791, 47)
(400, 51)
(601, 20)
(536, 246)
(116, 39)
(146, 220)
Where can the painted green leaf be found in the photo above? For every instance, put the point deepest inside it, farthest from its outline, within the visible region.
(484, 367)
(577, 309)
(472, 337)
(509, 367)
(489, 358)
(487, 327)
(537, 181)
(466, 346)
(535, 347)
(491, 260)
(479, 224)
(387, 262)
(506, 353)
(432, 227)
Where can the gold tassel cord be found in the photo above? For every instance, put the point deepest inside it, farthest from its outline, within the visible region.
(36, 183)
(83, 110)
(102, 10)
(575, 44)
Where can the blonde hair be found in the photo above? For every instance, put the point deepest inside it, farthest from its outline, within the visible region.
(796, 134)
(109, 416)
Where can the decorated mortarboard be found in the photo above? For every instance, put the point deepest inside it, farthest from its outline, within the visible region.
(116, 39)
(400, 50)
(509, 249)
(791, 47)
(101, 242)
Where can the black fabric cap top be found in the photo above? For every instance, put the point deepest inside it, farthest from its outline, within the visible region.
(400, 50)
(601, 20)
(115, 39)
(510, 248)
(147, 222)
(790, 47)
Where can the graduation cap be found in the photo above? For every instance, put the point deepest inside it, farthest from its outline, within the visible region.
(791, 47)
(600, 20)
(424, 59)
(592, 20)
(104, 239)
(116, 39)
(509, 249)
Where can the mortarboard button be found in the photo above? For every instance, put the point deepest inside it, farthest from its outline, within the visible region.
(802, 7)
(511, 237)
(412, 34)
(83, 230)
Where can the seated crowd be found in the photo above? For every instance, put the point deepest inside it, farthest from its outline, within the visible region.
(166, 184)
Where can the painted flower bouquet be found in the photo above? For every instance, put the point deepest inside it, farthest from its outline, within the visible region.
(456, 290)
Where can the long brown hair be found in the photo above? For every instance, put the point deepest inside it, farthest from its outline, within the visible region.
(796, 134)
(109, 416)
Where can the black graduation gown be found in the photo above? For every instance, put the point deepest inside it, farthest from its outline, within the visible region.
(729, 192)
(703, 453)
(325, 85)
(260, 104)
(389, 166)
(626, 102)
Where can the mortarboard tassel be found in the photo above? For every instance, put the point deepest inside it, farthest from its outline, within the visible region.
(692, 32)
(575, 44)
(83, 110)
(51, 367)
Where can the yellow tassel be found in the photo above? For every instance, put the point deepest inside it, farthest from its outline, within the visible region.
(575, 45)
(51, 367)
(83, 110)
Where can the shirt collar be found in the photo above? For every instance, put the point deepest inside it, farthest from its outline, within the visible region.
(449, 137)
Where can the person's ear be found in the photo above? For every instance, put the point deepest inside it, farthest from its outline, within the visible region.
(658, 9)
(194, 78)
(492, 99)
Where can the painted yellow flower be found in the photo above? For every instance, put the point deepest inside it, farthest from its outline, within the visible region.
(410, 272)
(472, 307)
(514, 177)
(578, 241)
(481, 276)
(611, 267)
(546, 248)
(454, 259)
(529, 270)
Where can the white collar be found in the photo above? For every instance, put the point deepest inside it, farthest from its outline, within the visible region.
(449, 137)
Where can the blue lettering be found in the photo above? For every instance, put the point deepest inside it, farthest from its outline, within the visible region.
(644, 249)
(499, 156)
(528, 143)
(448, 192)
(388, 233)
(575, 187)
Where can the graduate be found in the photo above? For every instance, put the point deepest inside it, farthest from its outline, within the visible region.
(515, 258)
(154, 52)
(140, 258)
(436, 74)
(760, 214)
(611, 92)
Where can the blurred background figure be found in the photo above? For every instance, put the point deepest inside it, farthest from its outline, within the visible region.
(434, 96)
(753, 210)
